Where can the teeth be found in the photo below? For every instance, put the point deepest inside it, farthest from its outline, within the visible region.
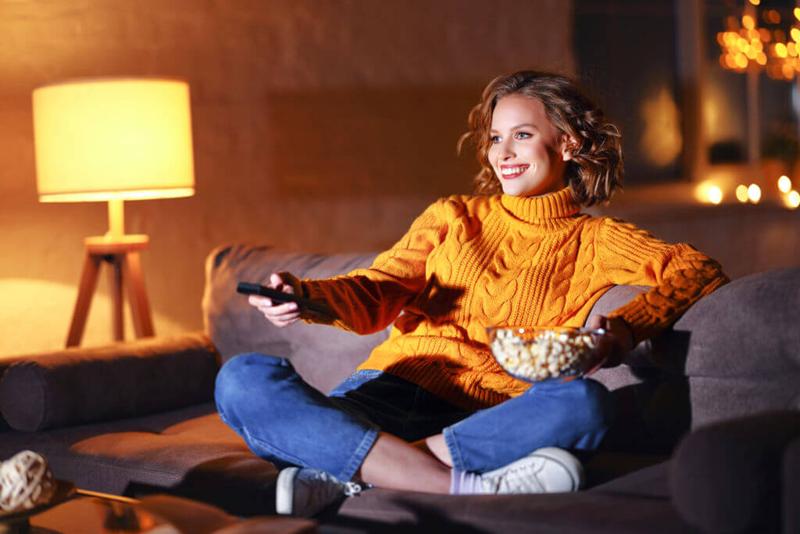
(513, 170)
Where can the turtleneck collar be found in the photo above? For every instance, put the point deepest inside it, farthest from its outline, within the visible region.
(547, 207)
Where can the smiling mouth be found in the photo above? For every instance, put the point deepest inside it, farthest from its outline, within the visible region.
(512, 171)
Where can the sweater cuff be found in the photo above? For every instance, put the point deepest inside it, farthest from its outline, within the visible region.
(640, 319)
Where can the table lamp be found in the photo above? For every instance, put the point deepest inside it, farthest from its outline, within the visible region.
(111, 140)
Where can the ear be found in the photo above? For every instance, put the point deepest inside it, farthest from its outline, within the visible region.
(568, 146)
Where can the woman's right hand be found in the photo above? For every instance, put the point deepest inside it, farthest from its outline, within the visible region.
(278, 314)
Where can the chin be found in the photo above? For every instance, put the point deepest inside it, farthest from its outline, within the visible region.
(520, 192)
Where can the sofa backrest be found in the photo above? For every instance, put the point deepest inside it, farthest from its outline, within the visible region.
(739, 346)
(323, 355)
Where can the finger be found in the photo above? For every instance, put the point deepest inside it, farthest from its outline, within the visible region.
(285, 322)
(277, 282)
(273, 315)
(284, 317)
(283, 309)
(258, 301)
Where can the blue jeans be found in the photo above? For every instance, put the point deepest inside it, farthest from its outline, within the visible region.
(286, 421)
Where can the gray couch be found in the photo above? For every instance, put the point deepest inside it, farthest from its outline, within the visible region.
(710, 402)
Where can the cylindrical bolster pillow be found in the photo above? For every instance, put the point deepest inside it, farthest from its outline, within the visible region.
(77, 386)
(726, 477)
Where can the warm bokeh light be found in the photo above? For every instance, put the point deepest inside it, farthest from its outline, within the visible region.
(741, 193)
(661, 142)
(784, 184)
(792, 200)
(754, 193)
(745, 45)
(708, 192)
(714, 194)
(103, 139)
(741, 61)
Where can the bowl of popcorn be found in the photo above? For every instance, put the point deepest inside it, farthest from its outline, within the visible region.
(538, 353)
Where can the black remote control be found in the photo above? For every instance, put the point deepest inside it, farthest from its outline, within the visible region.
(249, 288)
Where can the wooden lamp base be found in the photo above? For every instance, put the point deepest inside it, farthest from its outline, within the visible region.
(122, 252)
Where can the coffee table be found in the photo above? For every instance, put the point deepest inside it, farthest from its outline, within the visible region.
(80, 511)
(89, 512)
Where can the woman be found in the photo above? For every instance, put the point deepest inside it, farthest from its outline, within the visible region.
(430, 409)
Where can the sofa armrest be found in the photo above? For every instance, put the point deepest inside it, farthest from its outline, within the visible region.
(726, 477)
(84, 385)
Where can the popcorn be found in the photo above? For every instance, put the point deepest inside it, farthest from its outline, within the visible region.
(541, 353)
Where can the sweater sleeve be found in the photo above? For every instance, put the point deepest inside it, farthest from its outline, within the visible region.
(367, 300)
(680, 275)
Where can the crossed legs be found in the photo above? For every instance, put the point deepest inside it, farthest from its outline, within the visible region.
(286, 421)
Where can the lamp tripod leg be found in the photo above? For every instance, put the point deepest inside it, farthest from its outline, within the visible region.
(142, 320)
(91, 266)
(115, 288)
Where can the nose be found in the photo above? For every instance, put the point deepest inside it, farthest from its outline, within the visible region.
(506, 150)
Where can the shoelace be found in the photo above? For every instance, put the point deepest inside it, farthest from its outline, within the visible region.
(351, 489)
(510, 478)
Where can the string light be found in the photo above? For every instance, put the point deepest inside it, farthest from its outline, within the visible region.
(745, 44)
(754, 193)
(714, 194)
(741, 193)
(792, 200)
(784, 184)
(708, 192)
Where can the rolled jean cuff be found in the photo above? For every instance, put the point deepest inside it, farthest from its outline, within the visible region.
(455, 451)
(357, 459)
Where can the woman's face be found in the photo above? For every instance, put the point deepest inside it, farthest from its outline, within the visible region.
(527, 153)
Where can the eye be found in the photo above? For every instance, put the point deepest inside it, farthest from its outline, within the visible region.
(523, 135)
(494, 139)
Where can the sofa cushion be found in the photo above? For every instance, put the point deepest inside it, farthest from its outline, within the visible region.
(188, 452)
(601, 510)
(78, 386)
(726, 477)
(740, 346)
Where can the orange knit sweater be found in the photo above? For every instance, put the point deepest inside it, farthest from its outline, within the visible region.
(469, 262)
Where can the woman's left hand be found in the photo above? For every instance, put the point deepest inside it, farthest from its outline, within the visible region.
(614, 345)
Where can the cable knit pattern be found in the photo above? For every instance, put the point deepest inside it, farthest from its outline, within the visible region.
(471, 262)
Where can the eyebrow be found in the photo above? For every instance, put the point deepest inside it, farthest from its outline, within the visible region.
(518, 126)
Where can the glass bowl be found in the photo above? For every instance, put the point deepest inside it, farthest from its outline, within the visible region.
(537, 353)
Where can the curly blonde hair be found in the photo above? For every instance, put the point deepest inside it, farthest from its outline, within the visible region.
(595, 170)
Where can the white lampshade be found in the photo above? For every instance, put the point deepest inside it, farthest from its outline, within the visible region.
(113, 139)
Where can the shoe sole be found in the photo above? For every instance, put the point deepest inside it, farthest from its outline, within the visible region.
(284, 490)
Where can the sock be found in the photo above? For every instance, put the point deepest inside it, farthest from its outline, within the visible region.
(464, 482)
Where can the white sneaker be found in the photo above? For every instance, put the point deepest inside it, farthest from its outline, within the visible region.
(306, 492)
(546, 470)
